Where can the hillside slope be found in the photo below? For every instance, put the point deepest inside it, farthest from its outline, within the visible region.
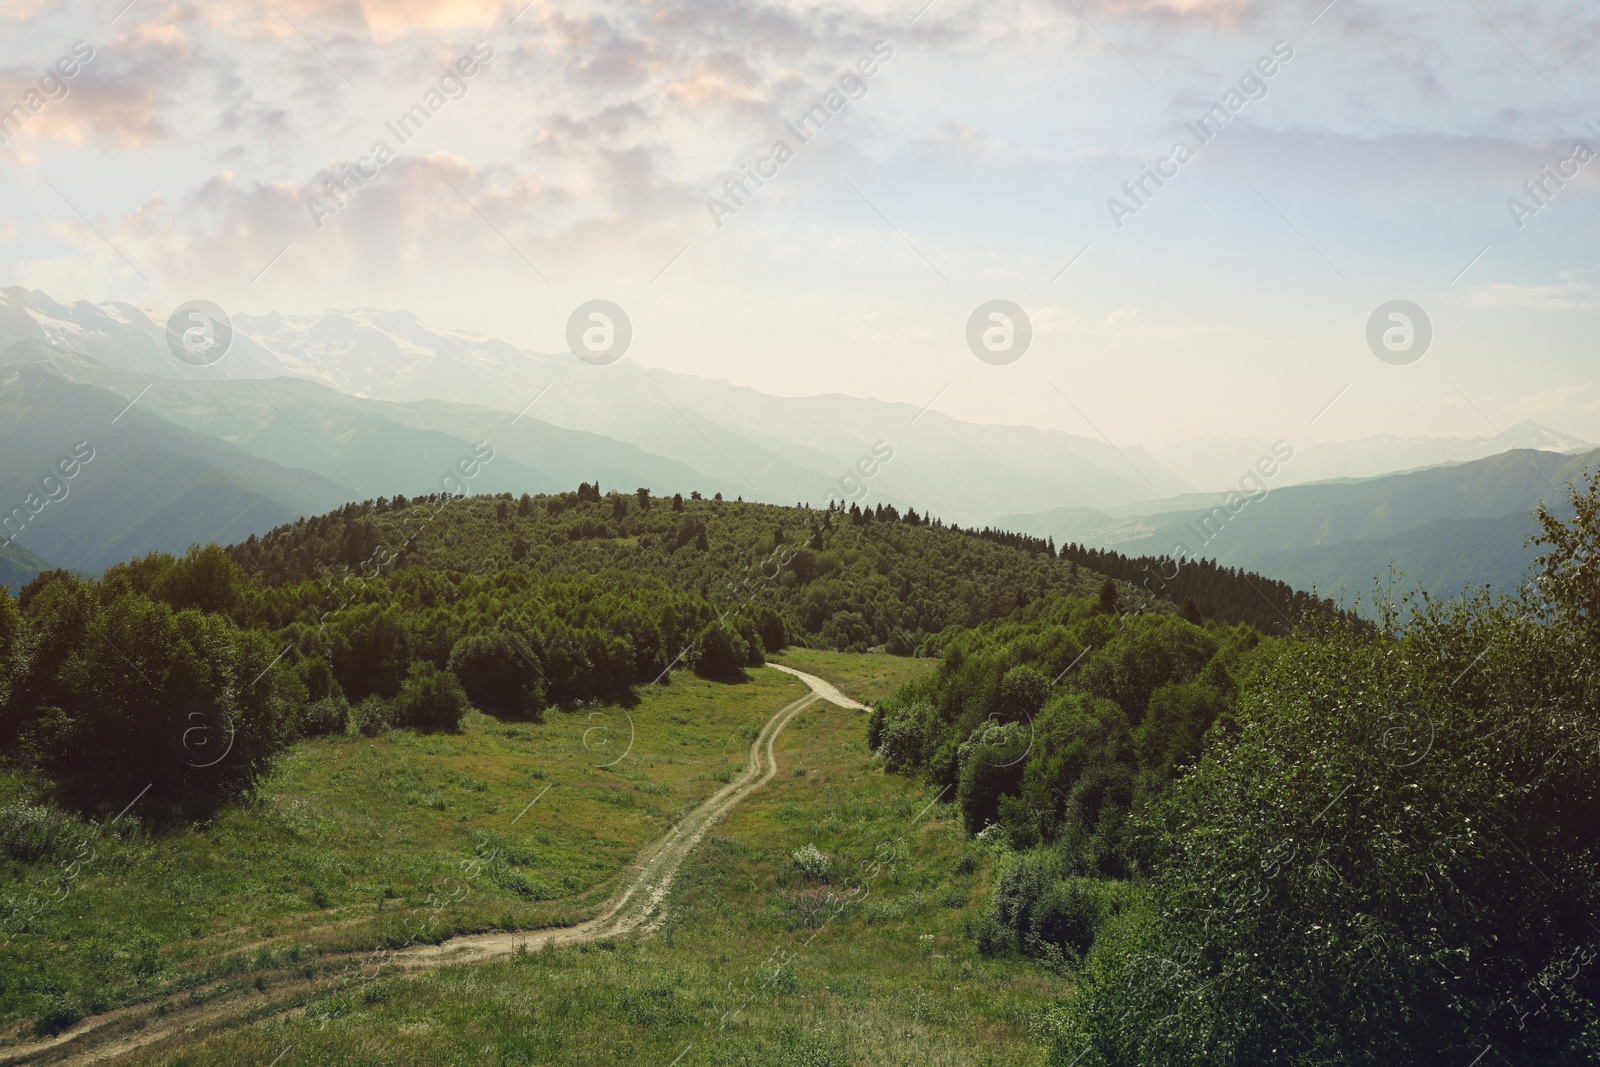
(776, 449)
(18, 566)
(1444, 528)
(86, 485)
(847, 580)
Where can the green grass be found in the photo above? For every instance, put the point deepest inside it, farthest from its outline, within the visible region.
(748, 968)
(351, 843)
(869, 676)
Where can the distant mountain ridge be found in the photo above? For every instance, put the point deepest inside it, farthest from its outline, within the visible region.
(1214, 463)
(308, 412)
(1444, 528)
(88, 480)
(778, 449)
(225, 459)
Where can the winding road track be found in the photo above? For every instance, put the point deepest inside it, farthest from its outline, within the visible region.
(638, 905)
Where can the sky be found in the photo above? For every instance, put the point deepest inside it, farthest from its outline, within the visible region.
(561, 153)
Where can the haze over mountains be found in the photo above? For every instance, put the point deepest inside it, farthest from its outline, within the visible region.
(1210, 463)
(1442, 529)
(769, 448)
(307, 412)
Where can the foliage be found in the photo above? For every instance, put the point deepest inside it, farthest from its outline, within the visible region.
(372, 716)
(1039, 910)
(812, 862)
(119, 691)
(1207, 590)
(991, 762)
(34, 832)
(1393, 848)
(430, 699)
(327, 715)
(1060, 720)
(721, 650)
(858, 579)
(498, 677)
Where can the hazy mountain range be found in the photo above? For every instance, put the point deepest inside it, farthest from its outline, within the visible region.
(777, 449)
(305, 413)
(1217, 463)
(1442, 529)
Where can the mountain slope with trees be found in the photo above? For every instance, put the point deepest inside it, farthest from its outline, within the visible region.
(846, 579)
(1444, 528)
(1384, 833)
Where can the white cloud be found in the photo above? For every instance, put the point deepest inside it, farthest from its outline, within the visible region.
(1563, 296)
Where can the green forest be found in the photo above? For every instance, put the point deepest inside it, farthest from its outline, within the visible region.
(1226, 841)
(1349, 844)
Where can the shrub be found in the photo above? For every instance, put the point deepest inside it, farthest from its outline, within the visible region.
(812, 862)
(128, 693)
(769, 627)
(61, 1013)
(1393, 852)
(1066, 916)
(718, 652)
(1036, 910)
(371, 647)
(31, 833)
(430, 699)
(371, 717)
(991, 764)
(330, 715)
(847, 631)
(1023, 691)
(901, 738)
(498, 676)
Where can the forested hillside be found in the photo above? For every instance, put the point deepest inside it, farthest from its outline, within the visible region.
(844, 579)
(407, 612)
(1054, 725)
(1227, 594)
(1385, 832)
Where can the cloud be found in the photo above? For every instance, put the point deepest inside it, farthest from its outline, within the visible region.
(1560, 400)
(116, 95)
(434, 216)
(1215, 12)
(1052, 320)
(376, 20)
(392, 18)
(1564, 296)
(708, 83)
(120, 111)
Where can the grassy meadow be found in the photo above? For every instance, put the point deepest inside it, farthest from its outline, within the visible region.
(858, 958)
(864, 676)
(353, 843)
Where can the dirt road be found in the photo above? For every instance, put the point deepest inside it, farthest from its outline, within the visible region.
(637, 905)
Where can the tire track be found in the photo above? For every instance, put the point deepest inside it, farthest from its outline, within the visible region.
(637, 906)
